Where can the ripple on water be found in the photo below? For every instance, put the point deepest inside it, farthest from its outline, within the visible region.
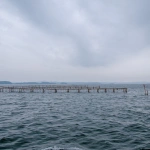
(88, 121)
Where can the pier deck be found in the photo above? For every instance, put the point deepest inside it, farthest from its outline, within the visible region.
(57, 88)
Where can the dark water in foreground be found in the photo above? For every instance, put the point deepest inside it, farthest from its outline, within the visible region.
(89, 121)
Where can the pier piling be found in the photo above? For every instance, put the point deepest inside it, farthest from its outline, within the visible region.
(113, 90)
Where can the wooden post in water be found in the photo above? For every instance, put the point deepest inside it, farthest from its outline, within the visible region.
(31, 90)
(68, 91)
(105, 90)
(113, 90)
(146, 91)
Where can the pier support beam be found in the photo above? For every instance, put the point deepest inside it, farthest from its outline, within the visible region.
(125, 90)
(78, 90)
(105, 90)
(1, 90)
(55, 90)
(113, 90)
(68, 91)
(31, 90)
(88, 90)
(20, 90)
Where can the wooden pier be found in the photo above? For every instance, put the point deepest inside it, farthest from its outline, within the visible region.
(58, 88)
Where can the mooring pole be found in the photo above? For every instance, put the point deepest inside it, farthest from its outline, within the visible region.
(113, 90)
(146, 91)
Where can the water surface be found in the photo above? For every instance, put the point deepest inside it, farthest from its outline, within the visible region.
(89, 121)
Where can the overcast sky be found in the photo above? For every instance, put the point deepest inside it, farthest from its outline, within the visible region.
(75, 40)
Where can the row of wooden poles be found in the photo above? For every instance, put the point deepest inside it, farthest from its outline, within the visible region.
(43, 89)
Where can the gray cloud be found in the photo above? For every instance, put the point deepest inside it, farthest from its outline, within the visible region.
(75, 34)
(105, 19)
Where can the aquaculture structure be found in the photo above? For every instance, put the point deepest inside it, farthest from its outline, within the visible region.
(58, 88)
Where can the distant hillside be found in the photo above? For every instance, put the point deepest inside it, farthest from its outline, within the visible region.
(5, 82)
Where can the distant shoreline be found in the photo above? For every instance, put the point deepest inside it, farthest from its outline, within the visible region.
(8, 82)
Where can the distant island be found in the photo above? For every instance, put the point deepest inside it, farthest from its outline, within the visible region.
(34, 83)
(8, 82)
(5, 82)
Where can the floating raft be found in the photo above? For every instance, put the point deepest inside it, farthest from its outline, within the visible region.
(58, 88)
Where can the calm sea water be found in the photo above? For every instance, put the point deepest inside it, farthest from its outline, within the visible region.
(88, 121)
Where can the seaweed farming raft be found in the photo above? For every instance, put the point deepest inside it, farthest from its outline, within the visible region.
(58, 88)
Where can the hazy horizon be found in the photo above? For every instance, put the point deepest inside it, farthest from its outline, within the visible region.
(74, 41)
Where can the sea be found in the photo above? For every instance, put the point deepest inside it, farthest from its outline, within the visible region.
(76, 121)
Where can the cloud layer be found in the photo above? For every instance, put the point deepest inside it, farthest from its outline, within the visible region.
(78, 40)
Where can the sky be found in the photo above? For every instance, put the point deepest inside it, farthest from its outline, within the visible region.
(75, 40)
